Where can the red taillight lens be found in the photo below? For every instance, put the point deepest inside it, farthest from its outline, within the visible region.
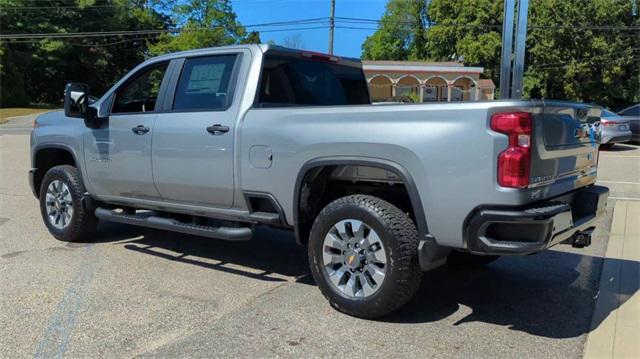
(514, 164)
(607, 123)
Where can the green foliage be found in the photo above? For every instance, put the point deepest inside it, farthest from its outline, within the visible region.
(253, 37)
(41, 67)
(36, 70)
(204, 23)
(574, 51)
(402, 32)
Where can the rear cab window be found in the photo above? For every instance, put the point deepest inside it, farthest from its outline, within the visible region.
(302, 79)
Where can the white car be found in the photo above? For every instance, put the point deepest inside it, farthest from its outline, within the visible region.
(632, 114)
(615, 129)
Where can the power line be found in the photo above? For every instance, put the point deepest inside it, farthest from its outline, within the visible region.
(32, 37)
(578, 61)
(363, 21)
(60, 7)
(74, 6)
(496, 26)
(310, 21)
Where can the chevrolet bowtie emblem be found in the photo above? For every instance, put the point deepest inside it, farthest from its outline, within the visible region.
(351, 258)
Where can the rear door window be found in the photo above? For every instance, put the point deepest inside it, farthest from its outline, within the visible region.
(204, 83)
(293, 81)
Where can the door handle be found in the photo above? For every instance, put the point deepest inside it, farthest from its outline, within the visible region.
(217, 129)
(140, 130)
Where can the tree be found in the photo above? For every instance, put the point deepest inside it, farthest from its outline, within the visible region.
(402, 32)
(467, 31)
(35, 70)
(253, 37)
(582, 50)
(203, 23)
(293, 41)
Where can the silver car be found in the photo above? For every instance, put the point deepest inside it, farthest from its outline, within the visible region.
(615, 129)
(632, 114)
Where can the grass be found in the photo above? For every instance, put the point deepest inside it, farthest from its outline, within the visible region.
(5, 113)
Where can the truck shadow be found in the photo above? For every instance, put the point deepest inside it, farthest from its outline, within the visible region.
(551, 294)
(618, 147)
(272, 256)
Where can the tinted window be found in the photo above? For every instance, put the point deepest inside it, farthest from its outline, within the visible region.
(632, 111)
(292, 81)
(204, 83)
(140, 94)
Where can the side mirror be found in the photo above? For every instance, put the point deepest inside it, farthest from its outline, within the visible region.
(76, 101)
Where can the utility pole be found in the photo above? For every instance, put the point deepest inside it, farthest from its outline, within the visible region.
(332, 25)
(512, 64)
(518, 58)
(507, 48)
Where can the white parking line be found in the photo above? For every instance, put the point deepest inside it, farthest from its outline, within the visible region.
(619, 156)
(625, 198)
(619, 182)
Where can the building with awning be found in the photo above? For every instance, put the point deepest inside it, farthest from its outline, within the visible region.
(426, 81)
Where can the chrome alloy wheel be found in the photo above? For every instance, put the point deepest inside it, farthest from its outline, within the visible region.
(354, 258)
(59, 204)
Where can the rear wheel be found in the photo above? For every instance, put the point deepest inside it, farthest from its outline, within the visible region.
(363, 255)
(461, 260)
(61, 205)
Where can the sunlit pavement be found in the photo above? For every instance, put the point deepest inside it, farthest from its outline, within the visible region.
(138, 292)
(616, 318)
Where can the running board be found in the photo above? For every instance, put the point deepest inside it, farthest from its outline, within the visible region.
(170, 224)
(265, 217)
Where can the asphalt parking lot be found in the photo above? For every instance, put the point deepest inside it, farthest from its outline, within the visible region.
(139, 292)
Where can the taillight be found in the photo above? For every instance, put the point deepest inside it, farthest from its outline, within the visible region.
(607, 123)
(514, 163)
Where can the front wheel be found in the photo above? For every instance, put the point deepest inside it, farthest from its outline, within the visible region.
(364, 257)
(61, 205)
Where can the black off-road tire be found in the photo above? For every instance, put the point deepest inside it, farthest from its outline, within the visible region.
(83, 223)
(399, 237)
(462, 260)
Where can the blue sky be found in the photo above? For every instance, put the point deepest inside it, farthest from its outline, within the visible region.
(347, 42)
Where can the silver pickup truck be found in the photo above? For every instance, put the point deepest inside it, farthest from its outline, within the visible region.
(214, 142)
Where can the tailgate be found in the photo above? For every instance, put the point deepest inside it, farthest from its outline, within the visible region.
(565, 145)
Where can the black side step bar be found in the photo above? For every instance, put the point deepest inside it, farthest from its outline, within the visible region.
(169, 224)
(265, 217)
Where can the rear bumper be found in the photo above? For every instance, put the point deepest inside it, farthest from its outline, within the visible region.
(617, 138)
(523, 230)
